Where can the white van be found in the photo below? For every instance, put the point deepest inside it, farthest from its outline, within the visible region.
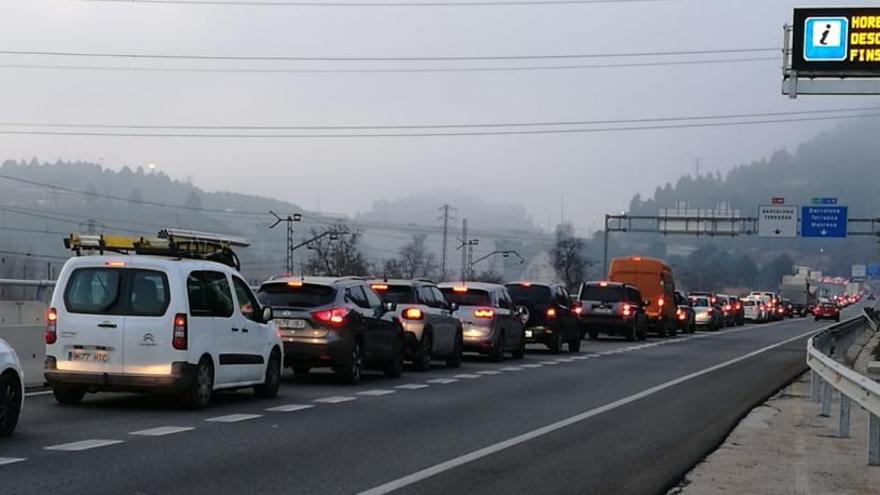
(162, 324)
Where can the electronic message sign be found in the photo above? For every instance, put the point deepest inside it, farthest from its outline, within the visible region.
(836, 41)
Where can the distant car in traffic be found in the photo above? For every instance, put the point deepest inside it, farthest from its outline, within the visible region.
(728, 309)
(491, 324)
(612, 308)
(754, 310)
(548, 315)
(653, 278)
(684, 315)
(826, 311)
(11, 389)
(706, 314)
(338, 323)
(431, 330)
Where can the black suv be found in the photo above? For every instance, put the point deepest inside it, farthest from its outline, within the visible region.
(548, 314)
(335, 322)
(614, 309)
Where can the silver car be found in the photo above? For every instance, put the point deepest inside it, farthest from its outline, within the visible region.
(491, 324)
(431, 331)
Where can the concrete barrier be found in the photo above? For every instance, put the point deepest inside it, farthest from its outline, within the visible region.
(22, 325)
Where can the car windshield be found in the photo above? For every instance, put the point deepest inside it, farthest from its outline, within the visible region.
(602, 294)
(472, 297)
(295, 295)
(536, 294)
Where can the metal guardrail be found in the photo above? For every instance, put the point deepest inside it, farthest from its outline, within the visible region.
(826, 357)
(43, 286)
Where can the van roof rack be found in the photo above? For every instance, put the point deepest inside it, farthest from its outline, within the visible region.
(176, 243)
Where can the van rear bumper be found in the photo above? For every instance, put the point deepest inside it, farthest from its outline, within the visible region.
(182, 375)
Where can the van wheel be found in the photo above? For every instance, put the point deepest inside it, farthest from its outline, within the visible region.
(555, 345)
(423, 360)
(198, 395)
(10, 403)
(68, 395)
(350, 371)
(272, 382)
(454, 359)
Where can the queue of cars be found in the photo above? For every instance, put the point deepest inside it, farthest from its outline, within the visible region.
(172, 315)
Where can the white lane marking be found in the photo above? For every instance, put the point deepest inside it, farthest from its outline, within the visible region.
(581, 358)
(37, 394)
(82, 445)
(10, 460)
(233, 418)
(488, 372)
(531, 435)
(468, 376)
(443, 381)
(412, 386)
(336, 399)
(376, 393)
(565, 360)
(161, 431)
(549, 363)
(532, 366)
(512, 368)
(290, 408)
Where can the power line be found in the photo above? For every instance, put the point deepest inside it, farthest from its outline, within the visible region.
(417, 135)
(388, 59)
(392, 70)
(452, 3)
(435, 126)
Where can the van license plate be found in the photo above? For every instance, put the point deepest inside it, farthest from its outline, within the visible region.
(603, 311)
(88, 357)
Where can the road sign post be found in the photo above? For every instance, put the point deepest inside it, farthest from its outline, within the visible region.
(828, 222)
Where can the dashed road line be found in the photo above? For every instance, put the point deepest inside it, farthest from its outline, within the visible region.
(412, 386)
(376, 392)
(512, 368)
(290, 408)
(233, 418)
(161, 431)
(82, 445)
(443, 381)
(565, 360)
(10, 460)
(549, 363)
(468, 376)
(533, 366)
(489, 372)
(335, 399)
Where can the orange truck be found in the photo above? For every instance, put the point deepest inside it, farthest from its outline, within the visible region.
(654, 280)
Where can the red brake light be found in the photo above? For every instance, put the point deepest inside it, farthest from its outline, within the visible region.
(551, 313)
(484, 313)
(661, 302)
(51, 335)
(727, 307)
(379, 287)
(335, 316)
(413, 314)
(627, 310)
(578, 310)
(713, 300)
(526, 284)
(179, 336)
(114, 264)
(603, 284)
(460, 288)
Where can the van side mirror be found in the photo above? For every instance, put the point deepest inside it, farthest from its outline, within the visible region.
(453, 307)
(389, 306)
(267, 314)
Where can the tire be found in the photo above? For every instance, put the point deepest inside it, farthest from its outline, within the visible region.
(497, 354)
(632, 333)
(272, 379)
(520, 352)
(671, 329)
(301, 370)
(68, 396)
(594, 334)
(555, 345)
(426, 347)
(454, 359)
(10, 403)
(198, 394)
(574, 345)
(642, 331)
(394, 367)
(350, 371)
(661, 330)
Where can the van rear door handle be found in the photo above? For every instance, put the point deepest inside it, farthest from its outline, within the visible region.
(244, 330)
(234, 329)
(107, 325)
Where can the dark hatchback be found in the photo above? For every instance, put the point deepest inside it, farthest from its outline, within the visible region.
(548, 315)
(335, 322)
(612, 308)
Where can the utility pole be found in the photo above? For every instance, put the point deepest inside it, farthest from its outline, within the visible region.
(464, 243)
(446, 218)
(289, 219)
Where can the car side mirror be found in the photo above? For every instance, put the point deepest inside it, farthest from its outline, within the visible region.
(267, 314)
(453, 307)
(646, 303)
(389, 306)
(520, 310)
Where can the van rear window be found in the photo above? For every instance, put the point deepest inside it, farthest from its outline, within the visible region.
(300, 296)
(117, 291)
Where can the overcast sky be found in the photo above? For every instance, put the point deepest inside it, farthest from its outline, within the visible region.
(596, 173)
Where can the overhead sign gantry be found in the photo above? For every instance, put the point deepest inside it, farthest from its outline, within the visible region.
(832, 51)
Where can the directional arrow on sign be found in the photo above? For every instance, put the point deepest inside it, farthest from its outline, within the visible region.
(777, 231)
(824, 232)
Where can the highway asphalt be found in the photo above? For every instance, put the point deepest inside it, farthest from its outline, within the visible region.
(618, 417)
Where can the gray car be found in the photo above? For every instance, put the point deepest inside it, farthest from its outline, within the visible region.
(491, 324)
(431, 331)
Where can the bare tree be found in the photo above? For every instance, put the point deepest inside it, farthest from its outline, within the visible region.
(567, 256)
(337, 257)
(413, 261)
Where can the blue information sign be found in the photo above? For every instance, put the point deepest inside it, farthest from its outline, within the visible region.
(823, 221)
(873, 271)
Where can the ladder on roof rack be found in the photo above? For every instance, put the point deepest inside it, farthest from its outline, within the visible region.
(176, 243)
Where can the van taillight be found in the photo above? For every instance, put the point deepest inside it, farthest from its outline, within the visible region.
(661, 302)
(179, 337)
(51, 335)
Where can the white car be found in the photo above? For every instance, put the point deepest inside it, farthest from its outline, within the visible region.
(163, 324)
(11, 389)
(754, 310)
